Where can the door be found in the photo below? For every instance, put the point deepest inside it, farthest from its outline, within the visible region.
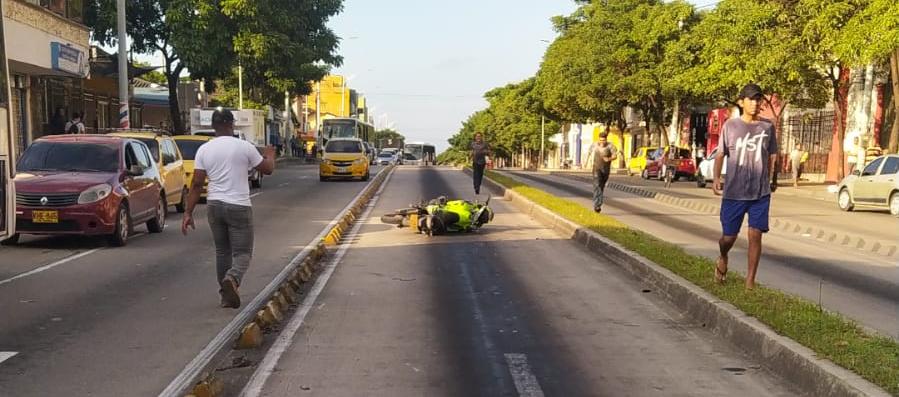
(144, 193)
(864, 185)
(885, 181)
(172, 170)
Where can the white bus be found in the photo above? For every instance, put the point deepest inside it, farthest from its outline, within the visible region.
(344, 128)
(419, 153)
(7, 148)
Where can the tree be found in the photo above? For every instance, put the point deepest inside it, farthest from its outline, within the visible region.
(381, 137)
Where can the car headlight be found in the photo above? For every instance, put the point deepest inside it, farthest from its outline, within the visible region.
(326, 161)
(94, 194)
(361, 160)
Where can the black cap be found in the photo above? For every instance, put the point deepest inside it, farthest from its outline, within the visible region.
(222, 116)
(751, 90)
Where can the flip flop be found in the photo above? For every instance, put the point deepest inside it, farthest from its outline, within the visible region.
(720, 276)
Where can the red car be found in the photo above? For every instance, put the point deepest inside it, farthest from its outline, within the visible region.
(88, 185)
(656, 164)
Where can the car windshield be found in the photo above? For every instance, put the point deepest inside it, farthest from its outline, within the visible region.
(385, 155)
(343, 147)
(189, 148)
(70, 156)
(153, 145)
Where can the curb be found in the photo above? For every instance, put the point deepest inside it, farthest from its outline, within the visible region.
(878, 247)
(780, 354)
(247, 332)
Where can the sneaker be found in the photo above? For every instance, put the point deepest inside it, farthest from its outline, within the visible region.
(597, 209)
(230, 297)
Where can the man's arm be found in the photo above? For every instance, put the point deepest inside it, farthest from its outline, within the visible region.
(193, 197)
(772, 171)
(267, 166)
(716, 173)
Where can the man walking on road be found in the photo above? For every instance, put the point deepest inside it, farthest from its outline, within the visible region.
(750, 145)
(226, 160)
(479, 152)
(603, 153)
(797, 157)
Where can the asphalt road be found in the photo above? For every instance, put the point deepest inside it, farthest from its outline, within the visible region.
(86, 320)
(514, 309)
(862, 286)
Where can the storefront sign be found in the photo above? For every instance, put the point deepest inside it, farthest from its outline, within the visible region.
(68, 59)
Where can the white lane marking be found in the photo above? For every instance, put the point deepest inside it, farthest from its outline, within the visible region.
(285, 339)
(7, 355)
(192, 370)
(525, 381)
(50, 266)
(283, 184)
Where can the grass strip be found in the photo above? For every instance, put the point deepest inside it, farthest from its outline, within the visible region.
(829, 335)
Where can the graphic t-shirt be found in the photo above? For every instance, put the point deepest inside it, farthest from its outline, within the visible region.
(748, 147)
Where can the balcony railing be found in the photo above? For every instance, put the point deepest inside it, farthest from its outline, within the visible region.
(69, 9)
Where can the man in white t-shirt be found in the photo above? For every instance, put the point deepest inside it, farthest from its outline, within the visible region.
(226, 161)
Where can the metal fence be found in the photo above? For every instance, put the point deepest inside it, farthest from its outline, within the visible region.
(814, 130)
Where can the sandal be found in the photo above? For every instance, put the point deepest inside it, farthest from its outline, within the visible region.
(720, 276)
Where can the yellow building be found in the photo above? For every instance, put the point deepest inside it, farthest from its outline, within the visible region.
(333, 95)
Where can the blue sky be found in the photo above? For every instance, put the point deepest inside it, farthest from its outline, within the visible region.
(424, 65)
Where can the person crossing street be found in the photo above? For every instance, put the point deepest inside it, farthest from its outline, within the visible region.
(225, 161)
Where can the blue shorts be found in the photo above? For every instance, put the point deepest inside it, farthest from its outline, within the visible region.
(732, 212)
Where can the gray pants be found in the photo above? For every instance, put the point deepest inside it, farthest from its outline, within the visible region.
(599, 187)
(232, 231)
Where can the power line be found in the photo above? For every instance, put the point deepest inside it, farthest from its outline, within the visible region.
(421, 95)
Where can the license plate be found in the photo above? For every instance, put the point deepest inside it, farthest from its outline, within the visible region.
(343, 169)
(45, 216)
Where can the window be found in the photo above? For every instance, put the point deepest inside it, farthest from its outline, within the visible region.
(130, 156)
(143, 157)
(891, 167)
(344, 147)
(189, 148)
(153, 145)
(871, 169)
(70, 156)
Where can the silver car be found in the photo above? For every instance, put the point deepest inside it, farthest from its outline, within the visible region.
(877, 185)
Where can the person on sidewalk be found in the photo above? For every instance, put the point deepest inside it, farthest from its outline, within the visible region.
(603, 154)
(797, 157)
(479, 152)
(225, 161)
(750, 145)
(75, 126)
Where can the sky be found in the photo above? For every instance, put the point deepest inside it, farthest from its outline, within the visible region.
(425, 65)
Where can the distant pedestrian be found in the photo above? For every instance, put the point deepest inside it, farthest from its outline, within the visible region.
(603, 154)
(58, 122)
(750, 145)
(75, 126)
(797, 157)
(479, 152)
(294, 146)
(225, 161)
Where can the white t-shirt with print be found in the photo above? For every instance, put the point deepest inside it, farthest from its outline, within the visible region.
(227, 161)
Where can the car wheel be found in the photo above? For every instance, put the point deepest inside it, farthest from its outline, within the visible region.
(182, 205)
(645, 174)
(894, 204)
(157, 224)
(122, 227)
(844, 200)
(12, 240)
(367, 175)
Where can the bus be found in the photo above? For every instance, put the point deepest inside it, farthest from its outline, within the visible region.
(419, 153)
(7, 148)
(344, 128)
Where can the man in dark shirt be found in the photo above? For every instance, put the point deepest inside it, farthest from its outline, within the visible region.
(603, 154)
(750, 145)
(479, 152)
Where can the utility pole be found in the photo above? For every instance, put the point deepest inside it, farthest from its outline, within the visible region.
(124, 117)
(239, 84)
(542, 138)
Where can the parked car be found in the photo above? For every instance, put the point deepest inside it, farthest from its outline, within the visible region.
(386, 158)
(188, 145)
(706, 169)
(88, 185)
(638, 162)
(371, 153)
(681, 159)
(344, 158)
(168, 158)
(877, 186)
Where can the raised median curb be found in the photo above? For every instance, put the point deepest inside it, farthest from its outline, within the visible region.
(782, 355)
(878, 247)
(268, 308)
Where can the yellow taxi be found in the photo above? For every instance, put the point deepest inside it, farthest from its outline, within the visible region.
(171, 166)
(637, 163)
(344, 158)
(189, 144)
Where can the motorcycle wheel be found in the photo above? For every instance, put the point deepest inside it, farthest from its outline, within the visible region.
(392, 219)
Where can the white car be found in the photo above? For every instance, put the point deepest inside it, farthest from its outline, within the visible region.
(386, 158)
(706, 169)
(877, 185)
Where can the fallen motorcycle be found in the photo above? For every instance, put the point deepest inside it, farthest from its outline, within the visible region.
(441, 216)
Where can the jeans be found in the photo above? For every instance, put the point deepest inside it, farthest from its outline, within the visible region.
(478, 175)
(232, 232)
(600, 178)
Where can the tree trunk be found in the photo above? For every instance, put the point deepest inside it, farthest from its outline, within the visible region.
(173, 76)
(841, 130)
(893, 146)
